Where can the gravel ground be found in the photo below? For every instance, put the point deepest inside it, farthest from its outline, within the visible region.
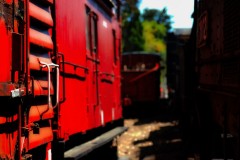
(150, 138)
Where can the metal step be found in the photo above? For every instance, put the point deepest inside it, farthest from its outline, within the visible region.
(83, 149)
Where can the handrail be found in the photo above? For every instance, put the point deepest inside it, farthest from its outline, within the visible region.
(75, 65)
(49, 84)
(63, 78)
(155, 68)
(57, 88)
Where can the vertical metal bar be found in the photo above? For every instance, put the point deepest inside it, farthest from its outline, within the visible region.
(19, 131)
(97, 85)
(63, 78)
(26, 41)
(49, 83)
(57, 88)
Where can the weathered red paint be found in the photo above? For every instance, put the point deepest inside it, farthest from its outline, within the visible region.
(102, 75)
(36, 111)
(5, 45)
(89, 85)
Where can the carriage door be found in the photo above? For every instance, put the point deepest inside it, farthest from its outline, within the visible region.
(92, 63)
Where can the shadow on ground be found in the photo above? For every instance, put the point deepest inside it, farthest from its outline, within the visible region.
(162, 143)
(166, 145)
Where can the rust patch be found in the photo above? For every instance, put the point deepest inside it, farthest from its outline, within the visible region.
(10, 12)
(6, 12)
(5, 89)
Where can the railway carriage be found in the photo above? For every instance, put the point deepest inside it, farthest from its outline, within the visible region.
(141, 78)
(59, 77)
(213, 80)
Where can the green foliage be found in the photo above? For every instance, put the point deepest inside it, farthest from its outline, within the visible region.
(155, 23)
(154, 34)
(146, 31)
(131, 26)
(160, 16)
(132, 36)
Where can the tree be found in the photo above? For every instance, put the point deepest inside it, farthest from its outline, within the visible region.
(131, 26)
(144, 32)
(154, 34)
(159, 16)
(156, 24)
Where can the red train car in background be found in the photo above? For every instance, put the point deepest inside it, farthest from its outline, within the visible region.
(141, 78)
(59, 77)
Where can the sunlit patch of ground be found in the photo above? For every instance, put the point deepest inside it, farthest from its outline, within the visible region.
(136, 137)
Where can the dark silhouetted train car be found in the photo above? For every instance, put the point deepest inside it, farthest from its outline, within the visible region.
(59, 77)
(140, 78)
(215, 78)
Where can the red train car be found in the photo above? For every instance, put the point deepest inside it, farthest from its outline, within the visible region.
(59, 76)
(141, 78)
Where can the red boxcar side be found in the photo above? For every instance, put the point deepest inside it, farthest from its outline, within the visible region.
(91, 75)
(59, 74)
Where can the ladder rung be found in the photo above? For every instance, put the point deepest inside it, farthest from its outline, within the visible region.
(36, 111)
(41, 88)
(40, 14)
(34, 62)
(40, 39)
